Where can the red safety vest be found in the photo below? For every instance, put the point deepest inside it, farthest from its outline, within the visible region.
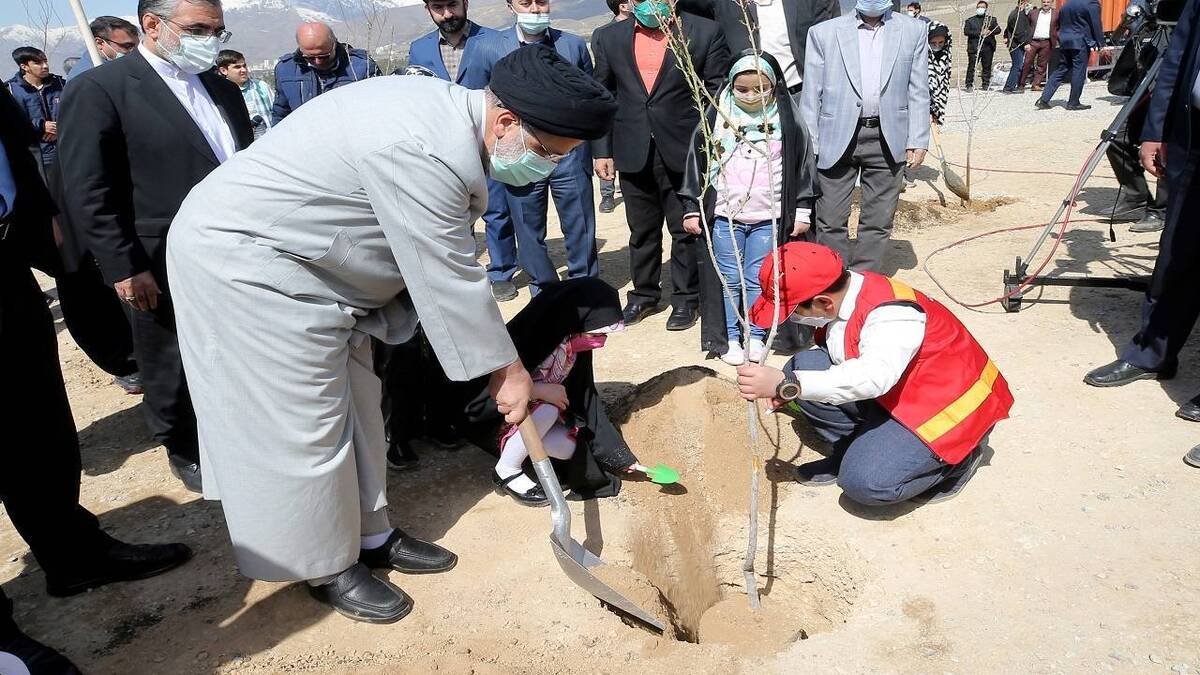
(952, 394)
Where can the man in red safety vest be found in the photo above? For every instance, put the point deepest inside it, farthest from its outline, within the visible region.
(898, 385)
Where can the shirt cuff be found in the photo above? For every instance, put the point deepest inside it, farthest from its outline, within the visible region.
(817, 385)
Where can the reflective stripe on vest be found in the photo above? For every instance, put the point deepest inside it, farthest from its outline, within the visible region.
(901, 291)
(953, 414)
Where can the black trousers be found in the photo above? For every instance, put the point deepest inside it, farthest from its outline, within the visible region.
(1127, 167)
(1172, 304)
(39, 453)
(984, 53)
(97, 319)
(401, 368)
(651, 197)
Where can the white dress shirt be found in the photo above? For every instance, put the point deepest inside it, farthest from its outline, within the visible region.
(773, 33)
(870, 60)
(195, 100)
(890, 338)
(1042, 30)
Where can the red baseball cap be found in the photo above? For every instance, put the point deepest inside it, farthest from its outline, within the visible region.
(805, 270)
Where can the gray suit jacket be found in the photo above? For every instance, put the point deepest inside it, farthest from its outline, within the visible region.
(364, 197)
(832, 98)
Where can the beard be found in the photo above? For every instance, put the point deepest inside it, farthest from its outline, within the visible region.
(453, 24)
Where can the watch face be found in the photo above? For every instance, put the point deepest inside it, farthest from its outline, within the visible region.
(788, 391)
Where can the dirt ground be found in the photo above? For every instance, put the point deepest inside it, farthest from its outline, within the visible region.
(1073, 550)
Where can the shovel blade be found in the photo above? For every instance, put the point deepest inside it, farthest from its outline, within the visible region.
(955, 183)
(578, 573)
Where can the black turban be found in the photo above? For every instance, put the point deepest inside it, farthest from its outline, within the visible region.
(552, 95)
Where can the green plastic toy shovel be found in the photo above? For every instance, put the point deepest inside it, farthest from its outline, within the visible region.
(661, 474)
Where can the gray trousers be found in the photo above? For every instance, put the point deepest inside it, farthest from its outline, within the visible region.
(881, 182)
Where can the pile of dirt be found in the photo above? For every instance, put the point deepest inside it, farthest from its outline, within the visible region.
(690, 541)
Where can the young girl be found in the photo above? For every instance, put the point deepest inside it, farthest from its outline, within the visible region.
(555, 335)
(762, 171)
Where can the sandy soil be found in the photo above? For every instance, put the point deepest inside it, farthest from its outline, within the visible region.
(1073, 550)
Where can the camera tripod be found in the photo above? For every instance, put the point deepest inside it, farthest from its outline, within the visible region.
(1019, 281)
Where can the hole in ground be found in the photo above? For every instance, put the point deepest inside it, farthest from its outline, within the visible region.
(687, 546)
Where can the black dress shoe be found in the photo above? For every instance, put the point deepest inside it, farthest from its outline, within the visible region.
(117, 561)
(444, 436)
(401, 457)
(1189, 411)
(1119, 373)
(409, 555)
(1192, 458)
(636, 311)
(534, 496)
(608, 204)
(1078, 106)
(1151, 222)
(187, 471)
(819, 472)
(1041, 105)
(37, 658)
(357, 594)
(682, 318)
(954, 482)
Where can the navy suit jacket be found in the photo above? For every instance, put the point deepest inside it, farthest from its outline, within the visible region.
(504, 42)
(1079, 25)
(1171, 114)
(473, 73)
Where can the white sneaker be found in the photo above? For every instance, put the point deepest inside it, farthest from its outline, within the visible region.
(756, 351)
(735, 356)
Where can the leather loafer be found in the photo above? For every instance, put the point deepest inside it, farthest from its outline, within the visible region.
(534, 496)
(1078, 106)
(357, 594)
(1041, 105)
(409, 555)
(36, 657)
(1119, 373)
(819, 472)
(682, 318)
(117, 561)
(503, 291)
(636, 311)
(1189, 411)
(188, 473)
(1151, 222)
(1192, 458)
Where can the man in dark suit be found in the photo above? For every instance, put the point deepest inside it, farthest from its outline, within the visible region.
(39, 449)
(1169, 149)
(780, 28)
(649, 144)
(452, 52)
(570, 185)
(1079, 34)
(138, 134)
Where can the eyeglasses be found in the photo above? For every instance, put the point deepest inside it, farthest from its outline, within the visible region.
(124, 46)
(221, 34)
(544, 151)
(317, 57)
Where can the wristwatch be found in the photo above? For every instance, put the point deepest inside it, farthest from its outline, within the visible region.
(788, 389)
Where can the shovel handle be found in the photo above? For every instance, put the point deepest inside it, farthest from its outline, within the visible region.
(533, 441)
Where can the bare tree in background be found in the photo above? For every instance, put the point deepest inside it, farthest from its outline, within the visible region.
(41, 15)
(376, 32)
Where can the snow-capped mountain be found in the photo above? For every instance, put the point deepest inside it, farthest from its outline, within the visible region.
(265, 29)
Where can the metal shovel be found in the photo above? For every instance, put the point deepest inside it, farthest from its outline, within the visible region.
(572, 557)
(954, 182)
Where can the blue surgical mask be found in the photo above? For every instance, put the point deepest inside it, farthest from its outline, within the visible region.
(647, 12)
(195, 54)
(527, 169)
(873, 8)
(533, 24)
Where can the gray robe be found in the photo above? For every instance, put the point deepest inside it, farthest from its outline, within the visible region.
(351, 218)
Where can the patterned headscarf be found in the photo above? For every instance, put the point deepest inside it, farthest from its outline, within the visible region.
(756, 127)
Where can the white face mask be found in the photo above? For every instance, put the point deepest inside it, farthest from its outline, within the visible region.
(814, 321)
(194, 54)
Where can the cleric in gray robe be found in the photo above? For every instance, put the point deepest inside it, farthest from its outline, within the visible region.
(352, 219)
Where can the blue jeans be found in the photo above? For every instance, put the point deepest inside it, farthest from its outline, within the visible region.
(882, 462)
(571, 188)
(753, 241)
(498, 232)
(1014, 75)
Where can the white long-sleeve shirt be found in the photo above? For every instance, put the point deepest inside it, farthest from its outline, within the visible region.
(194, 98)
(890, 338)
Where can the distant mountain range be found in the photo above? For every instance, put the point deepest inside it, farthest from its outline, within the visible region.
(264, 29)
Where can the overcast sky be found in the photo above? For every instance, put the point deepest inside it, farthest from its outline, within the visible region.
(20, 11)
